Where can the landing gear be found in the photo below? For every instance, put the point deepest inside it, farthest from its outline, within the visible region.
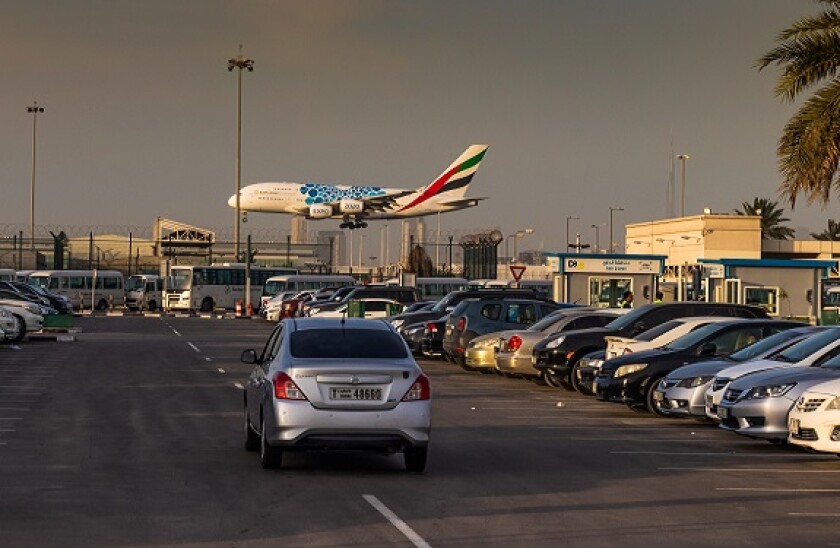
(352, 223)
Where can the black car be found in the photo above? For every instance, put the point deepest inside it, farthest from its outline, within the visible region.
(325, 298)
(401, 294)
(431, 345)
(633, 378)
(558, 356)
(413, 336)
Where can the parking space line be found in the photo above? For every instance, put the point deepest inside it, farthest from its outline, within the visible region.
(649, 440)
(772, 490)
(7, 430)
(815, 515)
(208, 359)
(401, 526)
(194, 347)
(747, 470)
(220, 370)
(718, 454)
(239, 386)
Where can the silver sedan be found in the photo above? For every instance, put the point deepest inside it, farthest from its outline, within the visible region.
(336, 384)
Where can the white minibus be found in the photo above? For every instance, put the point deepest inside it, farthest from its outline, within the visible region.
(206, 288)
(85, 288)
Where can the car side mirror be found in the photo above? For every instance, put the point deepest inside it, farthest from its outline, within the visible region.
(708, 349)
(249, 356)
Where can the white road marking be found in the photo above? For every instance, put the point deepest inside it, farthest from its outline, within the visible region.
(174, 331)
(11, 418)
(402, 526)
(220, 370)
(7, 430)
(239, 386)
(14, 409)
(208, 359)
(772, 490)
(815, 515)
(749, 470)
(194, 347)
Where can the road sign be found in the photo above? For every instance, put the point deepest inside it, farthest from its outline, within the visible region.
(517, 271)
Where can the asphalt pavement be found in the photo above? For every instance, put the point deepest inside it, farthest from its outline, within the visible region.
(132, 436)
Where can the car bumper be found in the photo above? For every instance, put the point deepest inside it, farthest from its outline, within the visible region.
(481, 358)
(682, 401)
(621, 390)
(587, 376)
(815, 430)
(299, 424)
(552, 361)
(765, 418)
(510, 362)
(429, 347)
(712, 401)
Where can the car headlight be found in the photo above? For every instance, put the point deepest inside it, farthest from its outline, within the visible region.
(772, 391)
(694, 382)
(397, 323)
(625, 370)
(833, 405)
(556, 342)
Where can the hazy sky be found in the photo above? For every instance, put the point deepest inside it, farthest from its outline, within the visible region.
(578, 100)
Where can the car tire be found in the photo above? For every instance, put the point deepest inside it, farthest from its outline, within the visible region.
(20, 332)
(102, 304)
(252, 439)
(649, 402)
(270, 457)
(207, 305)
(416, 459)
(575, 381)
(553, 380)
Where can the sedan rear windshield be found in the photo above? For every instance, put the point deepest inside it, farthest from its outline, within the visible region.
(347, 344)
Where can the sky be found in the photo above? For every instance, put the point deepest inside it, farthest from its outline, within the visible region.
(579, 100)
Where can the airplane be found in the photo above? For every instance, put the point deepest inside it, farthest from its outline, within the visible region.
(354, 204)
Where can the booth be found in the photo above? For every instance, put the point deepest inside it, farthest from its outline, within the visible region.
(786, 288)
(600, 279)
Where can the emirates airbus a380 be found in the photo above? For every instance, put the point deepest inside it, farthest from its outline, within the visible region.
(354, 204)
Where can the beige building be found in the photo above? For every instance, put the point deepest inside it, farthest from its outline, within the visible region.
(686, 240)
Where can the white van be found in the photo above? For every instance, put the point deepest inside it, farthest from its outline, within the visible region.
(143, 292)
(84, 288)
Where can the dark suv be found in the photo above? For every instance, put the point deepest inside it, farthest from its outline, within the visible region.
(558, 356)
(401, 294)
(474, 317)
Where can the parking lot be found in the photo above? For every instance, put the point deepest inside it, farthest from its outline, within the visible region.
(133, 436)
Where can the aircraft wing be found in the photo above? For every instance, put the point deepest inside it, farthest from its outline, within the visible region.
(465, 202)
(384, 203)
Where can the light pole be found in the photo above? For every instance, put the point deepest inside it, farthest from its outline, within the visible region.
(34, 110)
(613, 209)
(682, 158)
(241, 63)
(598, 237)
(518, 234)
(569, 218)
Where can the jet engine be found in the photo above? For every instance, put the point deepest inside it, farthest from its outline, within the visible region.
(351, 206)
(320, 211)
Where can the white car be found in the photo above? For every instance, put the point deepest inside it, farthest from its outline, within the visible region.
(814, 350)
(814, 422)
(374, 308)
(27, 318)
(658, 336)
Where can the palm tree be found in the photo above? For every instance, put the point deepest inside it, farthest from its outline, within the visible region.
(832, 233)
(809, 148)
(771, 218)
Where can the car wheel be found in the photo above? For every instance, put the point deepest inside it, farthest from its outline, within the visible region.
(252, 439)
(207, 305)
(270, 457)
(20, 329)
(416, 459)
(552, 380)
(102, 304)
(650, 403)
(583, 388)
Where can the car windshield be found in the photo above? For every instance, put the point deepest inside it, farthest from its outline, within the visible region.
(134, 283)
(444, 302)
(695, 337)
(654, 332)
(764, 345)
(628, 319)
(40, 281)
(347, 344)
(181, 278)
(809, 346)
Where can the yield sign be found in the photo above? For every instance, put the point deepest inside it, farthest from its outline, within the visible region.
(517, 271)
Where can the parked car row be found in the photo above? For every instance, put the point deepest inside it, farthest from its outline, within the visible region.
(760, 377)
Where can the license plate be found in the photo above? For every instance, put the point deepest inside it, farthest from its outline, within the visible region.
(723, 412)
(356, 393)
(793, 426)
(658, 396)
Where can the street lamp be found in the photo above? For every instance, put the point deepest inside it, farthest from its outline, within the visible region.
(569, 218)
(613, 209)
(518, 234)
(682, 158)
(239, 62)
(34, 110)
(598, 237)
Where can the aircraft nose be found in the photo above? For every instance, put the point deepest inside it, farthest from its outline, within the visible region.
(232, 201)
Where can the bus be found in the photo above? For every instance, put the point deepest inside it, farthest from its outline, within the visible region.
(99, 289)
(143, 292)
(206, 288)
(302, 282)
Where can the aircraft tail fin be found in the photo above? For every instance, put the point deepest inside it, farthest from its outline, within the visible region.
(455, 178)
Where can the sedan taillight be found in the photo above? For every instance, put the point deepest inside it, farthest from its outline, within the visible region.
(285, 388)
(432, 327)
(462, 324)
(420, 390)
(514, 343)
